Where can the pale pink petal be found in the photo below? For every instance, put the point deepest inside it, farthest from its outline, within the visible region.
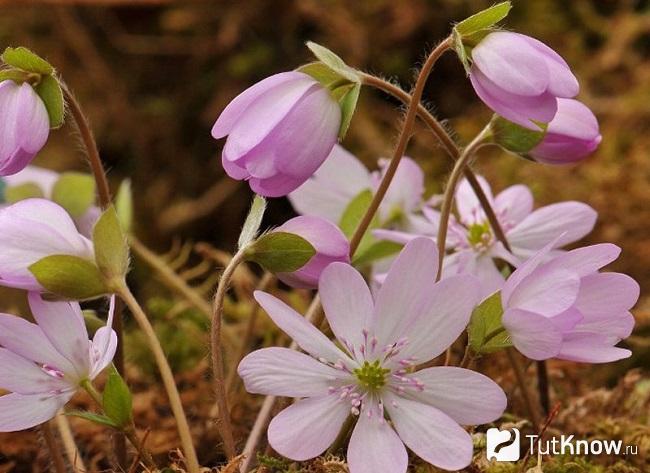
(562, 82)
(105, 345)
(615, 326)
(21, 412)
(22, 376)
(406, 189)
(347, 303)
(547, 292)
(305, 429)
(308, 337)
(63, 325)
(607, 293)
(42, 177)
(283, 372)
(513, 205)
(374, 445)
(567, 320)
(468, 205)
(588, 259)
(468, 397)
(430, 433)
(591, 348)
(568, 220)
(395, 236)
(532, 334)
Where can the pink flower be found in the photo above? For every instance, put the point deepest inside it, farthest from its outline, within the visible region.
(572, 135)
(43, 365)
(31, 230)
(473, 245)
(411, 320)
(279, 132)
(329, 241)
(45, 179)
(565, 308)
(342, 177)
(24, 126)
(520, 78)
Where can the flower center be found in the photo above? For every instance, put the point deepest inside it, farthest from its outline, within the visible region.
(371, 375)
(479, 234)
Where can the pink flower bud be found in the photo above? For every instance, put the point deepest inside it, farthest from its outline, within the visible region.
(24, 126)
(329, 241)
(571, 136)
(520, 78)
(279, 132)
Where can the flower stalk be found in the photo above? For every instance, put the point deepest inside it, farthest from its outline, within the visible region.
(52, 445)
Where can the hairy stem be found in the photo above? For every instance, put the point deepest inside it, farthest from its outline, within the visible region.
(450, 192)
(218, 376)
(402, 142)
(521, 381)
(543, 387)
(447, 143)
(56, 457)
(167, 376)
(69, 445)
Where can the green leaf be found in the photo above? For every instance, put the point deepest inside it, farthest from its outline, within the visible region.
(253, 221)
(111, 247)
(333, 61)
(117, 400)
(280, 252)
(483, 19)
(69, 276)
(92, 417)
(376, 251)
(49, 90)
(75, 192)
(485, 328)
(516, 138)
(23, 58)
(124, 205)
(348, 103)
(24, 191)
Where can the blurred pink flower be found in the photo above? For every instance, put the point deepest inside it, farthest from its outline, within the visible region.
(520, 78)
(410, 321)
(31, 230)
(279, 132)
(572, 135)
(473, 245)
(329, 241)
(565, 308)
(44, 364)
(24, 126)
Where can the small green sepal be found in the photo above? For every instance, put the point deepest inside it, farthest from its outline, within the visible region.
(485, 331)
(70, 277)
(483, 20)
(280, 252)
(50, 92)
(26, 60)
(75, 192)
(124, 205)
(111, 247)
(253, 221)
(334, 62)
(515, 138)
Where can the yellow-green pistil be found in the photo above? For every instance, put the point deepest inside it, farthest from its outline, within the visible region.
(371, 375)
(479, 234)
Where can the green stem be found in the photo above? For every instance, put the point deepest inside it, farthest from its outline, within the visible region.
(218, 376)
(402, 142)
(166, 374)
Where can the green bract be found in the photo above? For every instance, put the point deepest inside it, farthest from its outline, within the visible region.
(280, 252)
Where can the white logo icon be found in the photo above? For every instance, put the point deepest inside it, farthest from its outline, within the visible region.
(503, 445)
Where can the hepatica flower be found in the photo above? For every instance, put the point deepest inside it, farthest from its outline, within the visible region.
(43, 364)
(342, 177)
(31, 230)
(24, 126)
(279, 132)
(572, 135)
(565, 308)
(328, 240)
(473, 245)
(370, 373)
(520, 78)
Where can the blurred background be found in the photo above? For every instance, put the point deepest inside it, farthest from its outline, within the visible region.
(153, 75)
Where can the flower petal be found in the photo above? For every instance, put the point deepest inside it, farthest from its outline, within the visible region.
(308, 337)
(586, 260)
(20, 375)
(431, 434)
(607, 293)
(548, 292)
(406, 188)
(347, 303)
(374, 445)
(279, 371)
(466, 396)
(532, 334)
(562, 82)
(21, 412)
(591, 348)
(305, 429)
(468, 205)
(513, 205)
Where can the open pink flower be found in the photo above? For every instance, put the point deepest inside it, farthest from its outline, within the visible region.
(43, 364)
(565, 308)
(342, 177)
(31, 230)
(473, 244)
(279, 132)
(24, 126)
(328, 240)
(411, 320)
